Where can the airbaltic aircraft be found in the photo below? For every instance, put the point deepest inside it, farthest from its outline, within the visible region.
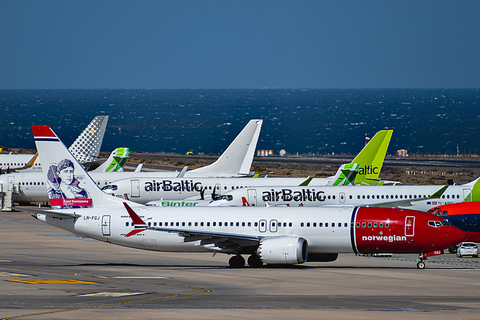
(85, 148)
(235, 161)
(417, 197)
(272, 235)
(364, 169)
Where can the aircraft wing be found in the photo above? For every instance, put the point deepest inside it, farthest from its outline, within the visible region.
(34, 211)
(409, 202)
(216, 241)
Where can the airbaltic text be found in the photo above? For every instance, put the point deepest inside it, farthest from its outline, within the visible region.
(168, 185)
(289, 195)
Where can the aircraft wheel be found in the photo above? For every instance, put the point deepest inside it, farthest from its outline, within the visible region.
(254, 261)
(236, 261)
(421, 265)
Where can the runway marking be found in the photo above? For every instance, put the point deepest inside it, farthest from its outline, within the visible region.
(10, 274)
(110, 294)
(54, 281)
(200, 291)
(5, 261)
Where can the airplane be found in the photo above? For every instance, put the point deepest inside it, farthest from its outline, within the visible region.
(274, 235)
(144, 187)
(417, 197)
(86, 148)
(235, 161)
(463, 215)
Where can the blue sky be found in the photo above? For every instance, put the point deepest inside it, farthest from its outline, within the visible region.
(239, 44)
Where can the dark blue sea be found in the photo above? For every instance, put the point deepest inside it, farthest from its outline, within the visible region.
(430, 121)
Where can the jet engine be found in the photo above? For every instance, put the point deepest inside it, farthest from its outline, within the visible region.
(285, 250)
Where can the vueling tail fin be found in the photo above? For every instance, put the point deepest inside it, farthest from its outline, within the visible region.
(87, 146)
(115, 161)
(238, 157)
(69, 186)
(370, 159)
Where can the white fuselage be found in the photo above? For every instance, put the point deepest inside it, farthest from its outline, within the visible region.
(113, 224)
(405, 196)
(141, 187)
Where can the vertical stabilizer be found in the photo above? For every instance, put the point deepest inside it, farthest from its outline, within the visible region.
(87, 146)
(371, 158)
(69, 186)
(115, 161)
(238, 157)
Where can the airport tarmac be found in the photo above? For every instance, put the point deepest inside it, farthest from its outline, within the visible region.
(47, 273)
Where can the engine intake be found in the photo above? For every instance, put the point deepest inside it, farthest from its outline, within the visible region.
(285, 250)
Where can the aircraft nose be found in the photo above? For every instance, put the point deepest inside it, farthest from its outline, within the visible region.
(455, 235)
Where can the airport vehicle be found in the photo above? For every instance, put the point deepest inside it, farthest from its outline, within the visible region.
(467, 249)
(273, 235)
(463, 215)
(85, 148)
(417, 197)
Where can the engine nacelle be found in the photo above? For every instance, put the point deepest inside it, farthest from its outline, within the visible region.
(285, 250)
(322, 257)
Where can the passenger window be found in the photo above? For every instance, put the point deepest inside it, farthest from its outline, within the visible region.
(375, 225)
(358, 224)
(369, 224)
(289, 224)
(326, 224)
(177, 224)
(219, 224)
(314, 224)
(346, 224)
(196, 224)
(189, 224)
(208, 224)
(333, 224)
(320, 224)
(301, 224)
(238, 224)
(381, 225)
(243, 224)
(249, 224)
(201, 224)
(214, 224)
(159, 224)
(127, 224)
(308, 224)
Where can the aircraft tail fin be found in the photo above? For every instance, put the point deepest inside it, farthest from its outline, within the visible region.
(474, 194)
(115, 161)
(69, 185)
(87, 146)
(346, 174)
(371, 157)
(238, 157)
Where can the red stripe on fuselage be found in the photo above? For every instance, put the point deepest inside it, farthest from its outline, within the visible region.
(384, 230)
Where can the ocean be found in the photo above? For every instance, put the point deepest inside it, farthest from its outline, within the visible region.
(428, 121)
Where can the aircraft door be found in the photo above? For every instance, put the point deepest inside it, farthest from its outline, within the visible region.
(135, 188)
(341, 197)
(273, 225)
(106, 225)
(262, 226)
(252, 197)
(409, 226)
(467, 195)
(11, 183)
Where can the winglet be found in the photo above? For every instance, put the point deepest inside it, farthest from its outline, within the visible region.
(306, 182)
(437, 194)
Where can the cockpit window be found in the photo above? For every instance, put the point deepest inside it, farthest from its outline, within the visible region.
(435, 211)
(227, 197)
(438, 224)
(110, 187)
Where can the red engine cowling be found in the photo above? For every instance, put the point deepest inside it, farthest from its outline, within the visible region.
(284, 250)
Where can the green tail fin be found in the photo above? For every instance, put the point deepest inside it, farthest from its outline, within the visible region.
(371, 158)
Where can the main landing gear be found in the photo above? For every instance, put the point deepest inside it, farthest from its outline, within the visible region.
(237, 261)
